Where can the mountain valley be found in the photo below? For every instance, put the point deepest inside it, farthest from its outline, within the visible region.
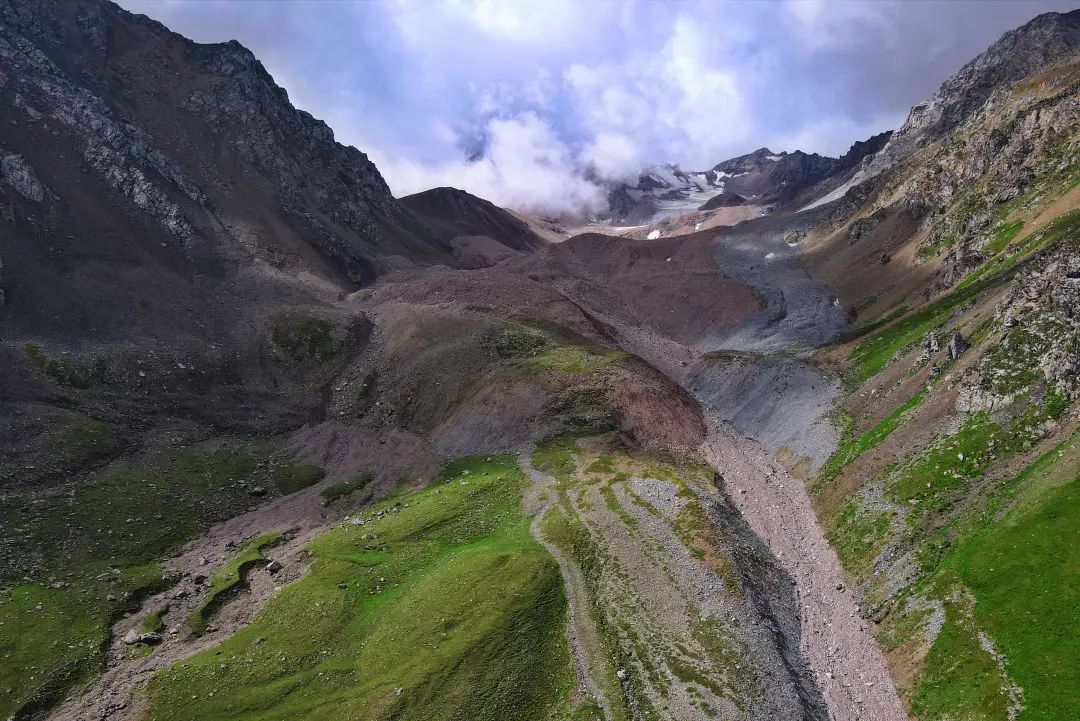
(791, 438)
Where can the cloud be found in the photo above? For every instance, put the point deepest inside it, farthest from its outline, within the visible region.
(523, 101)
(612, 156)
(523, 165)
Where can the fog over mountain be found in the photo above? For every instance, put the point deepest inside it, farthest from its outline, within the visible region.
(596, 90)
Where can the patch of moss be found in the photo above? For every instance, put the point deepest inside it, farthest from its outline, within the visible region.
(154, 621)
(516, 341)
(297, 477)
(79, 437)
(960, 679)
(339, 490)
(61, 371)
(603, 463)
(555, 457)
(851, 448)
(859, 534)
(1003, 235)
(302, 336)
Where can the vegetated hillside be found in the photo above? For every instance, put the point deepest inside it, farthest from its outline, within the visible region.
(952, 497)
(249, 472)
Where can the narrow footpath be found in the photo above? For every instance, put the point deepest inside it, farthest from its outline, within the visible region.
(581, 629)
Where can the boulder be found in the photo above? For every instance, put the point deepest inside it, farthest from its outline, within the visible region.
(957, 345)
(134, 637)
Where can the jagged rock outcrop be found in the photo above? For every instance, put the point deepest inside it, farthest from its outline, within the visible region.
(861, 150)
(1001, 120)
(16, 172)
(1019, 53)
(1039, 323)
(1001, 137)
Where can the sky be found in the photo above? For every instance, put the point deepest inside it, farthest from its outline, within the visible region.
(535, 104)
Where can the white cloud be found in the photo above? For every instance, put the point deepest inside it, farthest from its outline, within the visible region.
(524, 165)
(680, 100)
(613, 156)
(596, 87)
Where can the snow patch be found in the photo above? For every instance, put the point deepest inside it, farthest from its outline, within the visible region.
(838, 193)
(665, 175)
(653, 235)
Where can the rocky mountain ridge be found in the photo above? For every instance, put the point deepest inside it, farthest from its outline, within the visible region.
(1018, 54)
(762, 179)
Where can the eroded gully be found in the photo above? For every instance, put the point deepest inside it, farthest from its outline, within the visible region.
(772, 401)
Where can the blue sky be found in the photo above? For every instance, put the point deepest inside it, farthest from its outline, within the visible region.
(527, 103)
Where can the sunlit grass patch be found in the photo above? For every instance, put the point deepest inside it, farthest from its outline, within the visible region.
(438, 605)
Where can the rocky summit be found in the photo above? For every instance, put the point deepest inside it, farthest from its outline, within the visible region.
(802, 443)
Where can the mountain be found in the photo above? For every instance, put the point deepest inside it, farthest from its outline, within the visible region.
(660, 191)
(766, 178)
(762, 179)
(188, 156)
(1018, 54)
(274, 443)
(467, 221)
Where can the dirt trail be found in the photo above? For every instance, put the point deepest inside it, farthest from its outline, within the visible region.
(580, 627)
(849, 668)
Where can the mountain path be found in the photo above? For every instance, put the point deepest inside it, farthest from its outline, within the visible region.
(580, 628)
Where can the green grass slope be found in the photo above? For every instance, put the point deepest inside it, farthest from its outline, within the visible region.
(438, 606)
(1023, 572)
(966, 549)
(75, 559)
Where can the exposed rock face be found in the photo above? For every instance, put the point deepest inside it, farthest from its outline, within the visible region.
(1040, 336)
(725, 200)
(957, 345)
(198, 139)
(19, 175)
(1022, 136)
(862, 149)
(768, 178)
(997, 137)
(1019, 53)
